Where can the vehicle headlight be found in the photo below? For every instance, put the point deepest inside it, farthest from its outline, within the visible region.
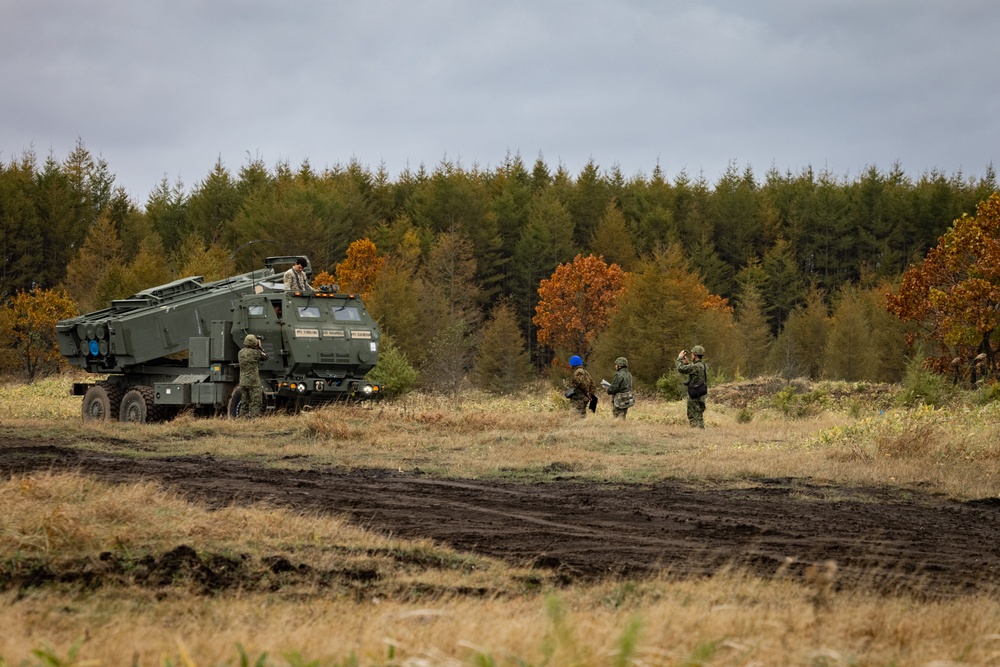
(301, 388)
(367, 389)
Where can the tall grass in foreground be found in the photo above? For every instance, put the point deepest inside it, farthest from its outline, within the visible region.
(460, 611)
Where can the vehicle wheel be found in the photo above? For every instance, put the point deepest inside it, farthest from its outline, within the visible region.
(236, 404)
(100, 403)
(137, 406)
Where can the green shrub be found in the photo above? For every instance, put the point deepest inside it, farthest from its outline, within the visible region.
(922, 385)
(393, 371)
(988, 393)
(796, 405)
(671, 386)
(744, 416)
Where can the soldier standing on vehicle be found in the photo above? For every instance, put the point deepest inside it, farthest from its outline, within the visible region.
(620, 389)
(697, 383)
(583, 391)
(253, 392)
(295, 277)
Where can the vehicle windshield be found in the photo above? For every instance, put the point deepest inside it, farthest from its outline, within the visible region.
(346, 314)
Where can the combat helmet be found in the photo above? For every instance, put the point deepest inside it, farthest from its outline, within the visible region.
(250, 341)
(621, 362)
(698, 350)
(575, 361)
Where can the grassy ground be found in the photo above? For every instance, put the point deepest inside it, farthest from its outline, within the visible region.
(431, 606)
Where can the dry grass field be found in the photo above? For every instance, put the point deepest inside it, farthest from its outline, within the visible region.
(160, 578)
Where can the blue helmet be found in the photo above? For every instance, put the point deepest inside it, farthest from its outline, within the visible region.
(575, 361)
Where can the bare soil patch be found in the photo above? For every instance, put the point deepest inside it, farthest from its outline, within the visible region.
(882, 538)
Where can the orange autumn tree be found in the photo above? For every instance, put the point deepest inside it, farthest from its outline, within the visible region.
(28, 329)
(954, 294)
(575, 304)
(357, 273)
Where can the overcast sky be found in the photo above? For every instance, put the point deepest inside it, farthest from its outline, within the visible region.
(165, 89)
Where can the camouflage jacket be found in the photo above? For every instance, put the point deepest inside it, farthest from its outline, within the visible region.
(695, 369)
(582, 382)
(250, 358)
(621, 382)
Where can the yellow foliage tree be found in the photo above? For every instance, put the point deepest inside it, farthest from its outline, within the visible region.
(28, 329)
(357, 273)
(87, 273)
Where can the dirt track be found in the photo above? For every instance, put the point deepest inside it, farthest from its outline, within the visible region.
(882, 538)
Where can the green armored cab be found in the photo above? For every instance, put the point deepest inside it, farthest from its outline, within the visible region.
(175, 346)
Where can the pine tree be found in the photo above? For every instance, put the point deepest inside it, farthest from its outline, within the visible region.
(655, 316)
(753, 333)
(798, 349)
(100, 254)
(612, 239)
(849, 353)
(502, 365)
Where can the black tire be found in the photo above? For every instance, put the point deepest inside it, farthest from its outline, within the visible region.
(236, 404)
(101, 403)
(137, 406)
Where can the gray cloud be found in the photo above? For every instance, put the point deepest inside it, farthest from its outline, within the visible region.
(164, 89)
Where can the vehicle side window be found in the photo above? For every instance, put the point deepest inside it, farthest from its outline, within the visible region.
(255, 311)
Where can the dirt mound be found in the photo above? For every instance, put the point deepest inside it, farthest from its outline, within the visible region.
(784, 395)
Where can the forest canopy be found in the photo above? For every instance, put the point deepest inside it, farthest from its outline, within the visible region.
(791, 261)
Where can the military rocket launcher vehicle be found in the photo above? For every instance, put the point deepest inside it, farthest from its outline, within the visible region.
(175, 346)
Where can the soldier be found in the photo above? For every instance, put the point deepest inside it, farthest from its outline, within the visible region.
(582, 389)
(697, 384)
(295, 277)
(253, 392)
(620, 389)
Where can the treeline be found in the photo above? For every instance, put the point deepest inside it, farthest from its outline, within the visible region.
(784, 249)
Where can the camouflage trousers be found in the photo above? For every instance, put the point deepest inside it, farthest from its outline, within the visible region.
(696, 412)
(619, 412)
(580, 405)
(253, 401)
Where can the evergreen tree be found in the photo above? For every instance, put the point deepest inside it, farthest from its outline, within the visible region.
(393, 373)
(655, 316)
(888, 333)
(100, 254)
(587, 202)
(166, 209)
(450, 273)
(447, 359)
(397, 300)
(784, 286)
(147, 269)
(21, 239)
(64, 215)
(849, 353)
(545, 243)
(612, 239)
(502, 365)
(753, 333)
(798, 349)
(716, 274)
(194, 258)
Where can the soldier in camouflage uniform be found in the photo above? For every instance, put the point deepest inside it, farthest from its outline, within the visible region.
(697, 371)
(621, 389)
(584, 392)
(253, 392)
